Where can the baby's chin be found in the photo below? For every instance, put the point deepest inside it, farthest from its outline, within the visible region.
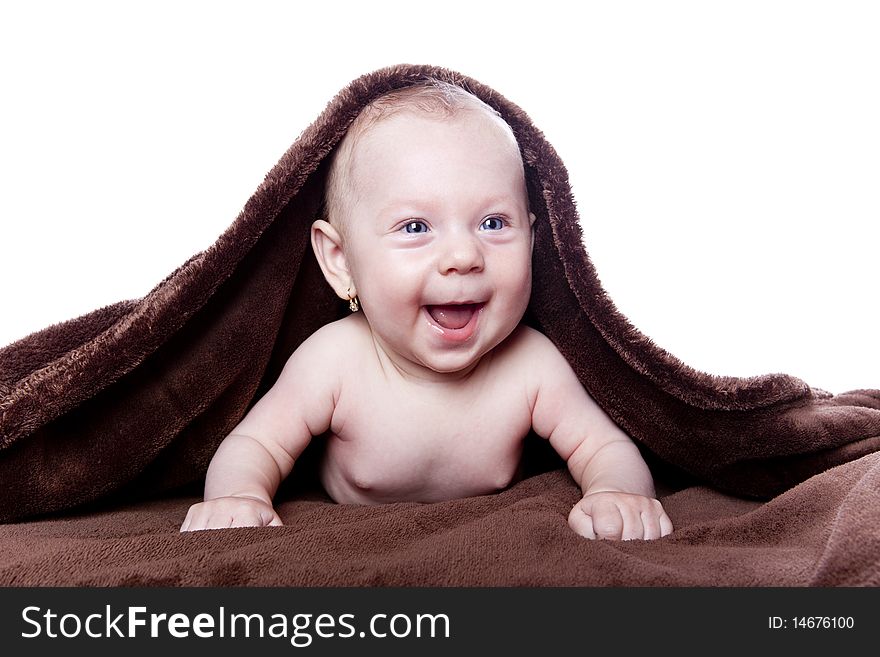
(457, 366)
(455, 362)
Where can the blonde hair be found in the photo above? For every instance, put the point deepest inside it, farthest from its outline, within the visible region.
(429, 96)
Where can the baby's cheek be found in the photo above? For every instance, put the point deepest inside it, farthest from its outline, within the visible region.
(520, 278)
(398, 295)
(395, 278)
(390, 299)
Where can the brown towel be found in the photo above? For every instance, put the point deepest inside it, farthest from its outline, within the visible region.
(133, 399)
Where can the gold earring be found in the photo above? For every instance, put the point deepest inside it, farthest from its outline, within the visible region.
(353, 304)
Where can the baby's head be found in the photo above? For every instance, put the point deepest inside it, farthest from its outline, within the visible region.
(427, 222)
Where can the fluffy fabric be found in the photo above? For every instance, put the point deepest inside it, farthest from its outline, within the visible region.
(768, 480)
(820, 533)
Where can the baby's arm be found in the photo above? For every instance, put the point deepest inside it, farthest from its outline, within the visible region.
(260, 451)
(618, 490)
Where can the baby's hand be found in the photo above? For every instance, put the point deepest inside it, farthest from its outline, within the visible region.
(615, 515)
(224, 512)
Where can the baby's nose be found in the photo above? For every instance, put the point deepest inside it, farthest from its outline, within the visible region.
(461, 255)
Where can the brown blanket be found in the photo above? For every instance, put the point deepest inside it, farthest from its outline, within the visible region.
(821, 533)
(108, 422)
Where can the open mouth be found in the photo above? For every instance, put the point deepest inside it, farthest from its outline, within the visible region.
(454, 317)
(455, 323)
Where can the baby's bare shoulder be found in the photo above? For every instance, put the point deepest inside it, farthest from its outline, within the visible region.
(349, 327)
(329, 348)
(529, 345)
(535, 355)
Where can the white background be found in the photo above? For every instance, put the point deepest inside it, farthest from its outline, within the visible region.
(725, 156)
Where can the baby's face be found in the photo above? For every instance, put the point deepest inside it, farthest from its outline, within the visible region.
(439, 238)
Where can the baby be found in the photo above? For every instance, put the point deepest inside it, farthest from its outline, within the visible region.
(429, 387)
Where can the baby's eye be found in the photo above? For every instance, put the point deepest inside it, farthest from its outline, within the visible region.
(492, 223)
(414, 227)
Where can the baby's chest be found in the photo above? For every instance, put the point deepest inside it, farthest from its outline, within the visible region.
(463, 438)
(425, 422)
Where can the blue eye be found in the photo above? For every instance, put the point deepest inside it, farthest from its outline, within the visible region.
(416, 227)
(492, 223)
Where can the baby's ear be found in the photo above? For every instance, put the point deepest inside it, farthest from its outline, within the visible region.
(327, 245)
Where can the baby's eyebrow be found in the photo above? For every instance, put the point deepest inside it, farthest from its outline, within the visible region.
(417, 206)
(496, 200)
(406, 206)
(403, 206)
(504, 202)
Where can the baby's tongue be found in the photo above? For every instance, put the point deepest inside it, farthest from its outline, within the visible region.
(452, 317)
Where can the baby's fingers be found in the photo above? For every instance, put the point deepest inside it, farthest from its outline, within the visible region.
(665, 524)
(602, 518)
(615, 521)
(187, 521)
(581, 523)
(247, 515)
(274, 520)
(211, 519)
(223, 513)
(198, 517)
(655, 521)
(619, 516)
